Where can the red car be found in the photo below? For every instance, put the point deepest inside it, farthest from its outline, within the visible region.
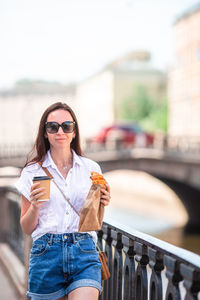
(123, 136)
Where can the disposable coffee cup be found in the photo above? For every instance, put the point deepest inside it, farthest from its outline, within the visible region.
(44, 182)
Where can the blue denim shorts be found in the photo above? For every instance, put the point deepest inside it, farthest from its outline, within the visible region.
(60, 263)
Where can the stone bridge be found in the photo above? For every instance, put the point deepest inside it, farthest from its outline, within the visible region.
(180, 171)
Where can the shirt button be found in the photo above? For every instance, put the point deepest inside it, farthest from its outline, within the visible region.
(67, 212)
(67, 227)
(65, 184)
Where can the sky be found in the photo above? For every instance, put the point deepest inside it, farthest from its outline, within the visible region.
(69, 40)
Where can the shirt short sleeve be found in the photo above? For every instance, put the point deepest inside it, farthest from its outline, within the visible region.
(24, 183)
(97, 168)
(93, 166)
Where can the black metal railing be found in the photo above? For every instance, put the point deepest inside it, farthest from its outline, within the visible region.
(142, 267)
(10, 230)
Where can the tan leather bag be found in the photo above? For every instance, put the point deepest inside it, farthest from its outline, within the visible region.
(105, 273)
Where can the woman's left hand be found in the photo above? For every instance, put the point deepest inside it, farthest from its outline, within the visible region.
(105, 197)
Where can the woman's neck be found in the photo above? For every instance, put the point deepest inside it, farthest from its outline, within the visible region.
(62, 157)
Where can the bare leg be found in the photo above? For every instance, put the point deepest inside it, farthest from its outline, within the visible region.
(85, 292)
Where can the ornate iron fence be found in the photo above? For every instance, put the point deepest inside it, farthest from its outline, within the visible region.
(10, 230)
(142, 267)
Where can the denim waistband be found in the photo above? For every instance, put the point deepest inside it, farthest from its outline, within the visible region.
(56, 237)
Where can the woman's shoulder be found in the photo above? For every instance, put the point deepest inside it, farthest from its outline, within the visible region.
(91, 164)
(31, 168)
(24, 182)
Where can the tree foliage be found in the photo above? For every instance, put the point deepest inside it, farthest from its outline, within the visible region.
(138, 105)
(148, 113)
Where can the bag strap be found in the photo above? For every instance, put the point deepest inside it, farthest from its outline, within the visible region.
(49, 174)
(98, 248)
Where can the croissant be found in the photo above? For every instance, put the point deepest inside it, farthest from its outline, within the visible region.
(97, 178)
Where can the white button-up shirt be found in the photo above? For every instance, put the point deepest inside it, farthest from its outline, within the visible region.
(56, 215)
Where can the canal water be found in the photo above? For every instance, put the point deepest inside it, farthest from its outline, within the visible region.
(145, 203)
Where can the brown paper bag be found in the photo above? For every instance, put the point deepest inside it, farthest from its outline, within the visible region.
(91, 216)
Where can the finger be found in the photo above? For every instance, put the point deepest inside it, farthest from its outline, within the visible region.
(37, 196)
(34, 186)
(105, 202)
(36, 191)
(105, 192)
(105, 196)
(107, 187)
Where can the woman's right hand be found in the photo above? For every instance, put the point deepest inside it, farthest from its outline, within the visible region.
(30, 209)
(36, 192)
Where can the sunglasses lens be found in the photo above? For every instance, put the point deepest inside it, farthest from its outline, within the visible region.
(52, 127)
(67, 126)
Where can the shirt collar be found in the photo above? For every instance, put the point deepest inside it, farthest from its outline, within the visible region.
(76, 159)
(48, 161)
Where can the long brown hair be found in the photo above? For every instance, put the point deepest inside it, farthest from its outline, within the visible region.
(41, 145)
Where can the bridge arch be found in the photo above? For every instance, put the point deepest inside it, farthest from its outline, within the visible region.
(181, 181)
(190, 197)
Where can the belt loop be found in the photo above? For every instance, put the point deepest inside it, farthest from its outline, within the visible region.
(73, 237)
(51, 239)
(63, 239)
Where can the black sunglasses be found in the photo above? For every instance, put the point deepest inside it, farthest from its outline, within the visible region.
(53, 127)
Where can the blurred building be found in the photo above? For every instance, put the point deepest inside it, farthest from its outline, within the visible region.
(21, 108)
(100, 98)
(184, 78)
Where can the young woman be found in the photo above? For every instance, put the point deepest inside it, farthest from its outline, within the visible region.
(62, 261)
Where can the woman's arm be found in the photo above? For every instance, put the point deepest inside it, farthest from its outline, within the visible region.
(30, 209)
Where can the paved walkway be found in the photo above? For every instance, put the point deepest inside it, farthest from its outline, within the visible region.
(6, 290)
